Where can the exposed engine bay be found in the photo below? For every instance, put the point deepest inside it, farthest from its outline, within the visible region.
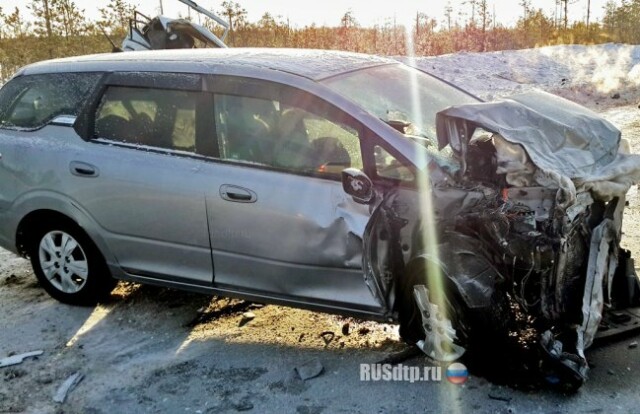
(526, 229)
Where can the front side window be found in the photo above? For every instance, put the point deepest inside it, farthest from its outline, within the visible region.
(33, 100)
(150, 117)
(286, 134)
(388, 166)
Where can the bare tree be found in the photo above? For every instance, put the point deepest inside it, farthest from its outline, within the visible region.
(565, 4)
(473, 4)
(42, 11)
(235, 13)
(70, 19)
(347, 31)
(16, 26)
(348, 20)
(526, 8)
(422, 22)
(448, 11)
(114, 18)
(485, 18)
(236, 16)
(609, 19)
(2, 23)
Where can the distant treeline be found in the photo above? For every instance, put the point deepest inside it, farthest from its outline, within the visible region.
(58, 28)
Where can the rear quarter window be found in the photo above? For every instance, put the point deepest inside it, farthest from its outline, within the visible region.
(31, 101)
(162, 118)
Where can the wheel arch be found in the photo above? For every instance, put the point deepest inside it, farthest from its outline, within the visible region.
(36, 218)
(465, 269)
(37, 208)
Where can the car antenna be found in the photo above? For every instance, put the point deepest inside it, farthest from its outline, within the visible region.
(114, 48)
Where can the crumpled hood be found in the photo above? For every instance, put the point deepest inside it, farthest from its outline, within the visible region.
(570, 143)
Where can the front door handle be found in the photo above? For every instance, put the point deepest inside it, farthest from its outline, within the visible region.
(237, 194)
(82, 169)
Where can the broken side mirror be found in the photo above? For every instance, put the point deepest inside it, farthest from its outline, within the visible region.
(357, 185)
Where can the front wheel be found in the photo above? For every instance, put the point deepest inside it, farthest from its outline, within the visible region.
(434, 316)
(69, 266)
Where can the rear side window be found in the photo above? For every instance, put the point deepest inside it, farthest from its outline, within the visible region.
(145, 116)
(32, 101)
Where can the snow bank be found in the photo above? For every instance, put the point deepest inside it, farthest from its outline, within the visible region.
(597, 76)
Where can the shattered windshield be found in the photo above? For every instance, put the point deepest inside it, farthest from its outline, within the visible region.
(405, 98)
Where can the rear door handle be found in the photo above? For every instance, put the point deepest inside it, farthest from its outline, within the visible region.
(237, 194)
(82, 169)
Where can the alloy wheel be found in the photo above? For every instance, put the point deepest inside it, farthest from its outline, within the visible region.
(63, 261)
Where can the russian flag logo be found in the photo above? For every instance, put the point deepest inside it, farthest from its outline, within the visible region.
(457, 373)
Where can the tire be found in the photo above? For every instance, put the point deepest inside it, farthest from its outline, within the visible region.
(68, 265)
(479, 330)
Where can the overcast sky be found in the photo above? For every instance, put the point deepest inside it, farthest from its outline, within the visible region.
(328, 12)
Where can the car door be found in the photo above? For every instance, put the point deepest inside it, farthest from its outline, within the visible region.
(281, 223)
(141, 179)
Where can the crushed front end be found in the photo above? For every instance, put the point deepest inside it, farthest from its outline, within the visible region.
(532, 218)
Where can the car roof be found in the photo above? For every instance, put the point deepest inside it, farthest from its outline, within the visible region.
(309, 63)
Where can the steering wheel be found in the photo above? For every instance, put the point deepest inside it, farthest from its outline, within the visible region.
(330, 151)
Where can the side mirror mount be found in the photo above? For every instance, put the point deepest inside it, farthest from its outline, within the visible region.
(358, 185)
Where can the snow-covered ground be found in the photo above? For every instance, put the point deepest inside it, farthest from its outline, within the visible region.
(140, 354)
(599, 76)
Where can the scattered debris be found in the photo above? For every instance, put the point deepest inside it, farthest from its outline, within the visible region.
(67, 386)
(633, 345)
(398, 357)
(216, 310)
(498, 397)
(619, 317)
(243, 405)
(327, 337)
(364, 330)
(18, 359)
(310, 369)
(246, 318)
(291, 384)
(12, 280)
(12, 374)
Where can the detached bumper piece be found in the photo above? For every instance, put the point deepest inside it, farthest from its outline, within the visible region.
(563, 369)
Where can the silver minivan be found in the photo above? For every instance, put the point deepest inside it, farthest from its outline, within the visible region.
(332, 181)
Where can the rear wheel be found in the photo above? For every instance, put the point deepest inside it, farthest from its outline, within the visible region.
(68, 265)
